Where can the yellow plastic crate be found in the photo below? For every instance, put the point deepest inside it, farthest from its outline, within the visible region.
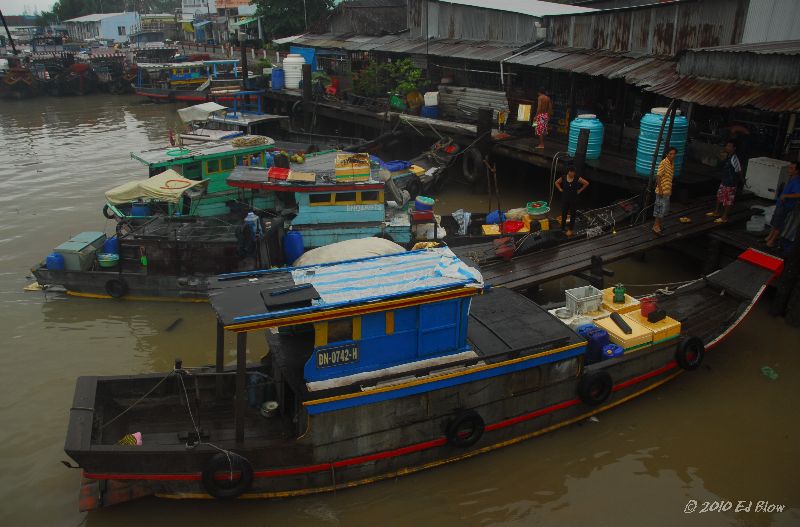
(639, 338)
(630, 304)
(664, 329)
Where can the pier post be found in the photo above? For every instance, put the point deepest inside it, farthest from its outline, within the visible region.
(307, 98)
(241, 381)
(220, 356)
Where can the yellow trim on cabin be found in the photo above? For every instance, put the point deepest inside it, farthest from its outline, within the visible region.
(358, 201)
(437, 378)
(356, 328)
(320, 334)
(432, 464)
(390, 322)
(136, 298)
(307, 318)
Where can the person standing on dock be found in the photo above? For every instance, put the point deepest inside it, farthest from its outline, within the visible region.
(731, 174)
(663, 188)
(785, 205)
(570, 185)
(544, 110)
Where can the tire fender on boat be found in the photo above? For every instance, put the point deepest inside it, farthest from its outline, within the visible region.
(116, 288)
(471, 164)
(107, 212)
(595, 387)
(465, 429)
(690, 352)
(225, 488)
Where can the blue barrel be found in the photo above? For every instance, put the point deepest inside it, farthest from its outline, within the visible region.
(648, 135)
(55, 262)
(140, 209)
(278, 78)
(592, 123)
(293, 246)
(431, 112)
(111, 245)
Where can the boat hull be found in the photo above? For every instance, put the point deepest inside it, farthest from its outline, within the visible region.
(96, 284)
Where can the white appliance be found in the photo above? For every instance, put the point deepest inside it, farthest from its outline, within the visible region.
(765, 176)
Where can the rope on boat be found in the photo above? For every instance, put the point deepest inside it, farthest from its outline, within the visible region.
(142, 398)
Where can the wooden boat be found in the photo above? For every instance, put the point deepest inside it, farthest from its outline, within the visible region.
(377, 368)
(166, 257)
(18, 81)
(188, 81)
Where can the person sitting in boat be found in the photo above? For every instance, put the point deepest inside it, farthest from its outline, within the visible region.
(570, 185)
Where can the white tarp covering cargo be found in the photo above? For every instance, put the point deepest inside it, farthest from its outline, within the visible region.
(358, 248)
(200, 112)
(167, 186)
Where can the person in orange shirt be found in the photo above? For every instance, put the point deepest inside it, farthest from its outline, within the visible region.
(666, 170)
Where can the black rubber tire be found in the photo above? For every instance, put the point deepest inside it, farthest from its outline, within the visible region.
(107, 213)
(471, 164)
(595, 388)
(116, 288)
(474, 423)
(690, 353)
(220, 488)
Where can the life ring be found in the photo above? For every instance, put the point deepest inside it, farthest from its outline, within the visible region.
(227, 488)
(594, 388)
(116, 288)
(465, 429)
(107, 212)
(690, 352)
(471, 164)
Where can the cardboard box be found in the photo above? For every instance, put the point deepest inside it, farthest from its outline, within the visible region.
(630, 304)
(662, 330)
(351, 168)
(639, 338)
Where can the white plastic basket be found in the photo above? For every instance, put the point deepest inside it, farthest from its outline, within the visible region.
(584, 299)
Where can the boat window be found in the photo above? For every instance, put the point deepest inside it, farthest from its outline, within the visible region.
(343, 198)
(212, 166)
(341, 329)
(192, 171)
(228, 163)
(320, 199)
(370, 196)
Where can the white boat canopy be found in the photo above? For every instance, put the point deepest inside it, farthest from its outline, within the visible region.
(200, 112)
(167, 186)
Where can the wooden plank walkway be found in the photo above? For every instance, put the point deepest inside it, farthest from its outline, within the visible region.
(575, 256)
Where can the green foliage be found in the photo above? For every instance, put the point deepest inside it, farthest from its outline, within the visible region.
(283, 18)
(261, 64)
(376, 80)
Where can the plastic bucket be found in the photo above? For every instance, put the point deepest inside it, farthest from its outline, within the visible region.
(278, 78)
(293, 247)
(111, 245)
(55, 262)
(140, 209)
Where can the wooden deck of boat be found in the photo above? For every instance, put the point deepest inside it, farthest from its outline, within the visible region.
(574, 257)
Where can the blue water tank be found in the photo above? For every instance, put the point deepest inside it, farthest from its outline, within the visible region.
(111, 245)
(278, 78)
(293, 246)
(648, 135)
(55, 262)
(431, 112)
(140, 209)
(592, 123)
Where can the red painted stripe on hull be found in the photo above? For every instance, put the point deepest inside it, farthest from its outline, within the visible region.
(389, 453)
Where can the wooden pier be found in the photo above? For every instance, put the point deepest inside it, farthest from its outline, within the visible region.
(579, 256)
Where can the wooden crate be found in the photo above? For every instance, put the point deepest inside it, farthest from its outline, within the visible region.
(639, 338)
(664, 329)
(630, 304)
(350, 168)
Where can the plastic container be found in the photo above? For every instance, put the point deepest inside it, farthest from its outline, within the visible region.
(111, 245)
(54, 262)
(647, 306)
(431, 112)
(278, 79)
(648, 135)
(293, 247)
(580, 321)
(537, 208)
(585, 299)
(431, 98)
(510, 226)
(107, 259)
(585, 329)
(293, 68)
(423, 203)
(140, 210)
(612, 350)
(589, 122)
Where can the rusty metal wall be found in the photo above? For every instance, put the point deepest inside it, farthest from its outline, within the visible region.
(443, 20)
(770, 20)
(658, 29)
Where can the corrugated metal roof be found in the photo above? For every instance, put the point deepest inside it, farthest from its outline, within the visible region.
(537, 8)
(784, 47)
(96, 17)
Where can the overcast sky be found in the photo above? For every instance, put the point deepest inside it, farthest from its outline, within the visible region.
(16, 7)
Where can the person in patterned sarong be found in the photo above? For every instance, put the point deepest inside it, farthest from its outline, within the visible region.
(544, 110)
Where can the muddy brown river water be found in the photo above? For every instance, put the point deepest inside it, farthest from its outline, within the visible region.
(725, 433)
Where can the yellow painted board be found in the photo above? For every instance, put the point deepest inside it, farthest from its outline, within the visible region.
(663, 329)
(639, 336)
(630, 304)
